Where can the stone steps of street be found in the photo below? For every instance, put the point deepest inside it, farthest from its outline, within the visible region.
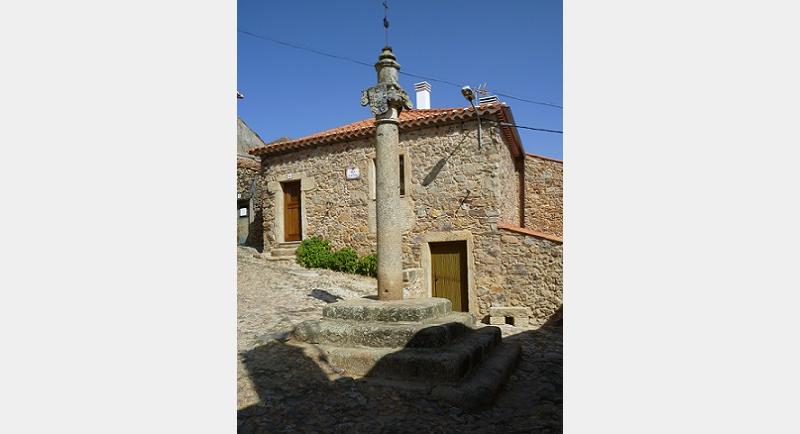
(280, 258)
(283, 250)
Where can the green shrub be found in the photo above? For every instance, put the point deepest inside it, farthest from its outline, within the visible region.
(344, 260)
(314, 252)
(367, 266)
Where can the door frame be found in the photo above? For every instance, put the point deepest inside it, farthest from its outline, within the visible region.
(427, 268)
(301, 208)
(275, 205)
(458, 248)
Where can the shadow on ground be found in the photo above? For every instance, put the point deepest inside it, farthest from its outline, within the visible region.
(294, 389)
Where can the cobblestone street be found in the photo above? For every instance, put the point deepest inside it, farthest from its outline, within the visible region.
(285, 388)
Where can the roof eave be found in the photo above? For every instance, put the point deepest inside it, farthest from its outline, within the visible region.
(510, 132)
(501, 110)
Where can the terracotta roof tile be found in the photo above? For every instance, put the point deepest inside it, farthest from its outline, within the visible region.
(409, 120)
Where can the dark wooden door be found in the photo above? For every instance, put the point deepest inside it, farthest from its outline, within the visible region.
(291, 211)
(449, 273)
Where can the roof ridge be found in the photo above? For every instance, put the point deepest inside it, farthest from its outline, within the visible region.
(358, 129)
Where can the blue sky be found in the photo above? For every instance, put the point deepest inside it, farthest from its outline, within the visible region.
(513, 46)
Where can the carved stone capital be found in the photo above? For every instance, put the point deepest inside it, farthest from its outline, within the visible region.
(384, 95)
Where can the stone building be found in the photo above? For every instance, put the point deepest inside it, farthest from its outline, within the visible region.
(482, 225)
(249, 223)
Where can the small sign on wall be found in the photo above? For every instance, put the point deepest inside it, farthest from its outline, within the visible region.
(242, 212)
(352, 173)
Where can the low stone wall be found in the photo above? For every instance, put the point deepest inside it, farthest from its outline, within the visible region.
(514, 267)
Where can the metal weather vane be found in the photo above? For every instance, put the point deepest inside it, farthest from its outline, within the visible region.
(386, 21)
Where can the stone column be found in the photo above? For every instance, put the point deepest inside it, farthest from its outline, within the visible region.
(386, 100)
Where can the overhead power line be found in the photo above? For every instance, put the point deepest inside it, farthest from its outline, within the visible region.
(360, 62)
(529, 128)
(300, 47)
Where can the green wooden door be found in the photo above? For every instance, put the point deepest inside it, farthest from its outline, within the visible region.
(449, 273)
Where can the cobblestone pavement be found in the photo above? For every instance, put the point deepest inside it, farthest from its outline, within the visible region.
(288, 388)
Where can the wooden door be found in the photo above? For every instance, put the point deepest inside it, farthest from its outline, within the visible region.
(449, 273)
(291, 211)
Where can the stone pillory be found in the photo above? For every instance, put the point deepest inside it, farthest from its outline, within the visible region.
(431, 341)
(386, 100)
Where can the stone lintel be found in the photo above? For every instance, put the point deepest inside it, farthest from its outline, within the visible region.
(409, 310)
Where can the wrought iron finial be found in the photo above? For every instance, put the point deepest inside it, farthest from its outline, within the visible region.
(386, 21)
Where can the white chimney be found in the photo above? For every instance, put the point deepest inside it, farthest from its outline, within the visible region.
(423, 89)
(488, 99)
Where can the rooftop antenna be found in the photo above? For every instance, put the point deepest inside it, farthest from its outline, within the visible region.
(485, 97)
(386, 21)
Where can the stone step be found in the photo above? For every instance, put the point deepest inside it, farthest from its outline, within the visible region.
(280, 258)
(481, 386)
(448, 364)
(408, 310)
(287, 249)
(283, 251)
(344, 333)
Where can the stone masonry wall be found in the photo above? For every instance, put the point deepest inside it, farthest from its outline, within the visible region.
(544, 195)
(519, 270)
(469, 188)
(246, 173)
(333, 207)
(469, 193)
(508, 194)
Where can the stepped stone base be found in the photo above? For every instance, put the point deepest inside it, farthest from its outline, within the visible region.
(380, 334)
(419, 341)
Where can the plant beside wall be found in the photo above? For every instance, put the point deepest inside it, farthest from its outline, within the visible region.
(367, 265)
(315, 252)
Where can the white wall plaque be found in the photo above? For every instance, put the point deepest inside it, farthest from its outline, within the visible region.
(352, 173)
(242, 212)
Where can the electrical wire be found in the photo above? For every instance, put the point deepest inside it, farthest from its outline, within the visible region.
(300, 47)
(360, 62)
(527, 128)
